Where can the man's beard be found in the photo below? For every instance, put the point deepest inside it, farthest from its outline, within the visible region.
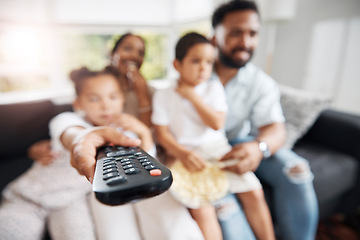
(231, 63)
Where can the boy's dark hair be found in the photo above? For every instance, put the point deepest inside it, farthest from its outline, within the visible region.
(79, 76)
(234, 5)
(186, 42)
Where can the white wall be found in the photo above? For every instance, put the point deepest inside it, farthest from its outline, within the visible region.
(319, 51)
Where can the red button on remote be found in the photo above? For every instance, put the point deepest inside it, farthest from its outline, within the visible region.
(155, 172)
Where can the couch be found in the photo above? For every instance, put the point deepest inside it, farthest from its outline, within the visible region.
(331, 144)
(21, 125)
(332, 148)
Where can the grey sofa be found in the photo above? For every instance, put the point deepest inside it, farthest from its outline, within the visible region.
(332, 146)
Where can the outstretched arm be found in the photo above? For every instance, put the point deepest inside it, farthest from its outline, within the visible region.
(143, 95)
(82, 144)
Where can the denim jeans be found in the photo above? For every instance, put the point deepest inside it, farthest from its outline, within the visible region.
(295, 202)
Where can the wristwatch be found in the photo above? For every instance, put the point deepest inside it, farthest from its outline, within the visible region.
(264, 148)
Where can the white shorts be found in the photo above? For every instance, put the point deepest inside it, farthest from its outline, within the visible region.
(197, 189)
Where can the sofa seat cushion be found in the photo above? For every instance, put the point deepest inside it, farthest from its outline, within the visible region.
(21, 125)
(335, 172)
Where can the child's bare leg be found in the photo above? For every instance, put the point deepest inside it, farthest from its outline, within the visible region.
(207, 220)
(258, 214)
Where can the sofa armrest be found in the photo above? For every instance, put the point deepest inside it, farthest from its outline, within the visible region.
(337, 130)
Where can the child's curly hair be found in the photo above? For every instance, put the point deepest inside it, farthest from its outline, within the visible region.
(79, 76)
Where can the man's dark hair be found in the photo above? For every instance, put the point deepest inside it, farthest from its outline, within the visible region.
(232, 6)
(186, 42)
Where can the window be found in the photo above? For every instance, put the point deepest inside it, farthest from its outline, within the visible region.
(24, 54)
(42, 41)
(33, 60)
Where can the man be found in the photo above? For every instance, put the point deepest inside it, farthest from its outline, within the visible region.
(255, 128)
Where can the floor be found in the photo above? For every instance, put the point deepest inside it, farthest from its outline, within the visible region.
(340, 227)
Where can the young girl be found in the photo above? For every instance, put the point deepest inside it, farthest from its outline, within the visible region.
(127, 57)
(100, 100)
(55, 195)
(189, 119)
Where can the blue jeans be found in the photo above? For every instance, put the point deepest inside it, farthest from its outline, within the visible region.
(295, 202)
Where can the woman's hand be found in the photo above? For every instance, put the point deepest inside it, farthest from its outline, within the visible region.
(41, 152)
(138, 83)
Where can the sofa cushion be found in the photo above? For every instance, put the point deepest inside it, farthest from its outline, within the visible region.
(301, 109)
(12, 168)
(23, 124)
(335, 172)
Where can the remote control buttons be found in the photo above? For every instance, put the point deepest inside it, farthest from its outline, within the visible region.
(126, 162)
(108, 149)
(129, 166)
(155, 172)
(150, 167)
(109, 170)
(145, 163)
(116, 180)
(122, 152)
(110, 175)
(108, 167)
(132, 171)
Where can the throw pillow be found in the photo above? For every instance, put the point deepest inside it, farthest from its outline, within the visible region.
(301, 108)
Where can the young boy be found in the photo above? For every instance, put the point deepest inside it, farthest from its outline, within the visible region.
(189, 118)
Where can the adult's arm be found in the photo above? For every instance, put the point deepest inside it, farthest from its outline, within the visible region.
(143, 95)
(82, 144)
(41, 152)
(249, 155)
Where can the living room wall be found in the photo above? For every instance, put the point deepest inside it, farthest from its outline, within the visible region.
(318, 50)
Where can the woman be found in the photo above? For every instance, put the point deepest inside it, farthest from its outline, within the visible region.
(127, 56)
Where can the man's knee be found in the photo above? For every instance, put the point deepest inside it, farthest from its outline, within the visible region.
(295, 169)
(298, 172)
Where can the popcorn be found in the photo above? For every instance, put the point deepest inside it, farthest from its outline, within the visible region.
(196, 189)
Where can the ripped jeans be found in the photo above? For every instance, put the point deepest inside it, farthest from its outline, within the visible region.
(295, 202)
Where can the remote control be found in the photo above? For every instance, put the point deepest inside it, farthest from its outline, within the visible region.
(128, 174)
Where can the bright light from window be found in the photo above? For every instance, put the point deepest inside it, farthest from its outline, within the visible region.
(21, 46)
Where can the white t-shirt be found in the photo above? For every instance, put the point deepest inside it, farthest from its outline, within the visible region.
(253, 99)
(170, 109)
